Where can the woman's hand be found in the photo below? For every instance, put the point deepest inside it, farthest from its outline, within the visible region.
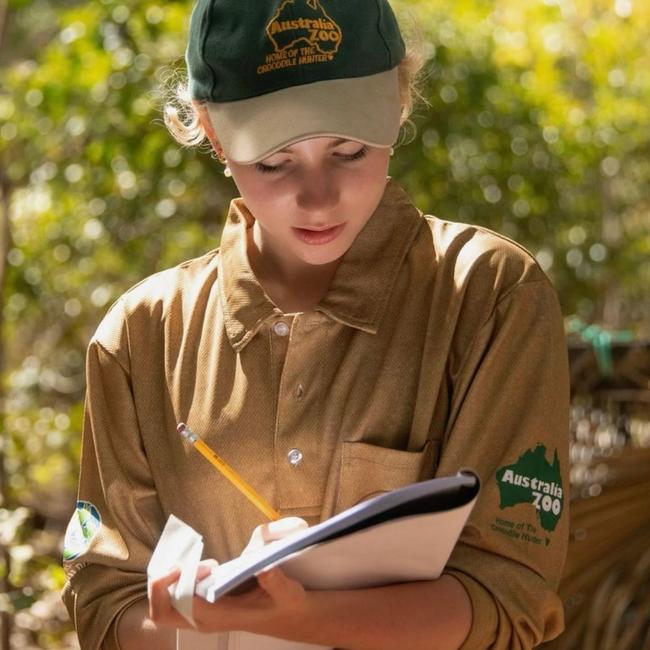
(275, 598)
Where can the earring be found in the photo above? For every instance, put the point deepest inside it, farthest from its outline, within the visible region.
(392, 151)
(222, 159)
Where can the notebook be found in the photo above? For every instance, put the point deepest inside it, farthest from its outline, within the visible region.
(404, 535)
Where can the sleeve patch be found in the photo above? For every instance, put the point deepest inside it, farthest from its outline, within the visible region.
(82, 528)
(533, 480)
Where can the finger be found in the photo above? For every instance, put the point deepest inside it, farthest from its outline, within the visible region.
(282, 528)
(202, 572)
(284, 591)
(165, 580)
(205, 569)
(273, 531)
(160, 603)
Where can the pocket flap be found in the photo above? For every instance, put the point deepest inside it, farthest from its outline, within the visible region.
(368, 470)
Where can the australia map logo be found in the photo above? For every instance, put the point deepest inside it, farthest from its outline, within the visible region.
(301, 33)
(533, 479)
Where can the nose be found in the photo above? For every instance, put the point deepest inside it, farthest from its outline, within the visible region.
(318, 194)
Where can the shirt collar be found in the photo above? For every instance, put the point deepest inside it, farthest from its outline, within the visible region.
(361, 286)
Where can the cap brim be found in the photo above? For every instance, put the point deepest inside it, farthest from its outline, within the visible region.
(364, 109)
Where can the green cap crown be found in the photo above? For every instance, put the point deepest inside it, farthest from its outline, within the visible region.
(240, 49)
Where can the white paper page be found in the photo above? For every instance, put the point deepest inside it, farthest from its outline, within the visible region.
(407, 549)
(179, 546)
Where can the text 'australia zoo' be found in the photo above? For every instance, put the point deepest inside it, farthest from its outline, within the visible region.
(543, 492)
(314, 26)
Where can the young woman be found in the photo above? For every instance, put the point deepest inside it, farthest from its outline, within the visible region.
(338, 344)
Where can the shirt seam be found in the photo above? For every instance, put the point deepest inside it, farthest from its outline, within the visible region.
(223, 299)
(486, 231)
(383, 38)
(506, 558)
(391, 465)
(205, 19)
(276, 384)
(529, 255)
(182, 265)
(490, 317)
(113, 356)
(139, 430)
(112, 620)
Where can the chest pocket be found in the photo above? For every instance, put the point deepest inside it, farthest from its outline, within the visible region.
(368, 470)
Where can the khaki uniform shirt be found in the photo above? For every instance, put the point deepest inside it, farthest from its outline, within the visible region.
(439, 346)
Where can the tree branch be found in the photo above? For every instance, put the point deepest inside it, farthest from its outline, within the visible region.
(5, 558)
(4, 15)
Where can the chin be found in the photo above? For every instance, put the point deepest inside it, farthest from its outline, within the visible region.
(320, 258)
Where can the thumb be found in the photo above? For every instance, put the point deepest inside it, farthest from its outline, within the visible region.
(283, 591)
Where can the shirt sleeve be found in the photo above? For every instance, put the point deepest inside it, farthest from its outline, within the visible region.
(509, 422)
(117, 521)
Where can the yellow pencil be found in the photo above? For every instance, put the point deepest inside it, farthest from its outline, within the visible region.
(228, 472)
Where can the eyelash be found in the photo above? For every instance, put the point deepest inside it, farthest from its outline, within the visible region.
(270, 169)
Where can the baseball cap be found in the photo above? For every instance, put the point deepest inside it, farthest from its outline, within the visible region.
(274, 72)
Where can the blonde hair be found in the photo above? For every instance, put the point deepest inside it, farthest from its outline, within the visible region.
(182, 114)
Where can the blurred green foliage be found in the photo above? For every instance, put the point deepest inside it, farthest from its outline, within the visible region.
(538, 126)
(538, 129)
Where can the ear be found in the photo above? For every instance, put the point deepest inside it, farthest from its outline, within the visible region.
(206, 123)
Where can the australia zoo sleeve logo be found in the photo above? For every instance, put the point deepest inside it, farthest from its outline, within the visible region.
(532, 479)
(312, 37)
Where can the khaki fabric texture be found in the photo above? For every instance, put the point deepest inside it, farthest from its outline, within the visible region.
(439, 346)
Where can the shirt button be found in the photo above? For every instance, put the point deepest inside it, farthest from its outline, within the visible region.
(299, 392)
(294, 457)
(281, 328)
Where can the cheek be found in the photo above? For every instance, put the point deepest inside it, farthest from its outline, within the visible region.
(366, 188)
(260, 196)
(371, 181)
(264, 201)
(245, 181)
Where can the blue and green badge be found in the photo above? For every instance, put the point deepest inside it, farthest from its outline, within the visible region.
(84, 525)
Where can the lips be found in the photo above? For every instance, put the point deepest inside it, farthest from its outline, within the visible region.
(318, 236)
(319, 229)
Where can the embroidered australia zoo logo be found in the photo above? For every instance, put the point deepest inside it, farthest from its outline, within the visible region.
(302, 33)
(532, 479)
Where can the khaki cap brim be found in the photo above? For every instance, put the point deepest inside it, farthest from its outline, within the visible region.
(364, 109)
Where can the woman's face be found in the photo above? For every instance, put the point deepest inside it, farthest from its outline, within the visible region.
(313, 198)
